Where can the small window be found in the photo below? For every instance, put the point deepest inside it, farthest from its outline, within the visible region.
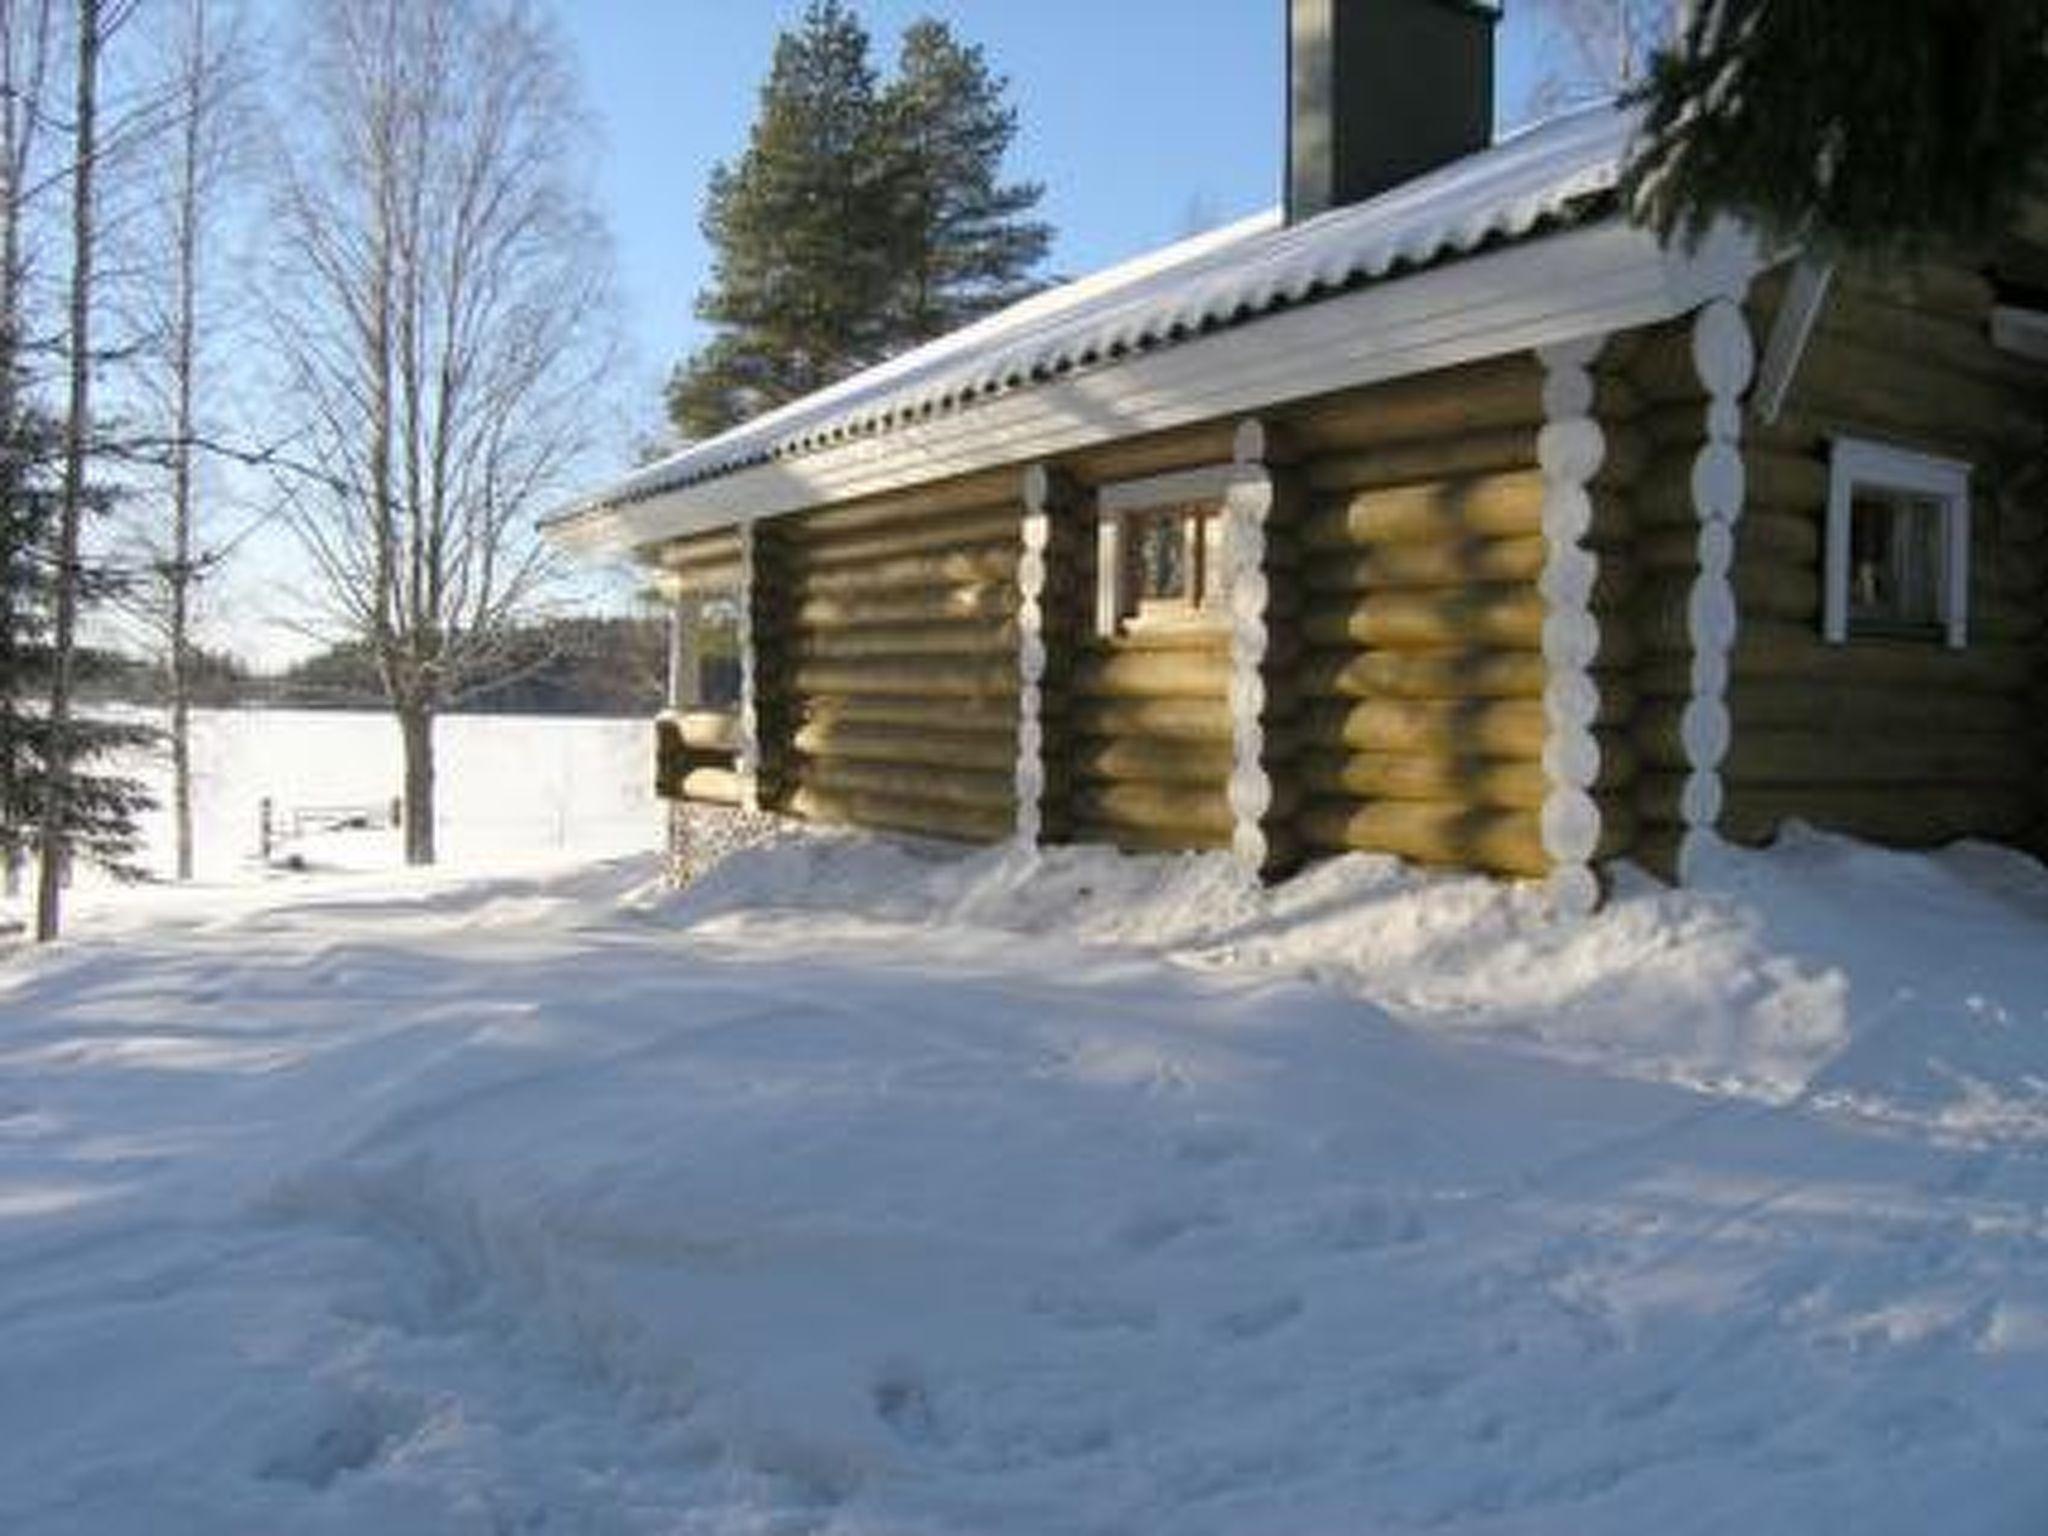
(1155, 553)
(1898, 546)
(1165, 560)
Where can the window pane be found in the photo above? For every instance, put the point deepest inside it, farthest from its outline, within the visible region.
(1894, 560)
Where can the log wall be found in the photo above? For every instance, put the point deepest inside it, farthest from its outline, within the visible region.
(1899, 741)
(1420, 679)
(1144, 757)
(885, 646)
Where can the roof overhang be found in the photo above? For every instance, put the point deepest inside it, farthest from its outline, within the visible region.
(1593, 280)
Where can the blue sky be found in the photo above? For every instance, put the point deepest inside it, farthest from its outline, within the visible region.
(1145, 119)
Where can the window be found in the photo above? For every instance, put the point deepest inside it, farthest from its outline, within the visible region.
(1156, 551)
(1898, 545)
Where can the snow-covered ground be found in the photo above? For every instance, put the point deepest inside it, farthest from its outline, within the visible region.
(863, 1190)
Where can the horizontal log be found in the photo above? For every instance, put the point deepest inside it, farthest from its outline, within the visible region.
(952, 788)
(1941, 287)
(1949, 342)
(995, 716)
(970, 531)
(706, 581)
(1200, 816)
(1919, 815)
(1888, 385)
(1787, 756)
(999, 490)
(1482, 397)
(968, 640)
(1172, 719)
(995, 564)
(1159, 453)
(976, 751)
(1505, 505)
(1875, 709)
(722, 548)
(1436, 674)
(1426, 460)
(993, 679)
(1440, 833)
(711, 786)
(1439, 563)
(1480, 781)
(1151, 759)
(1138, 839)
(1471, 727)
(1205, 634)
(1774, 480)
(702, 730)
(1505, 616)
(989, 602)
(896, 813)
(1796, 652)
(1124, 673)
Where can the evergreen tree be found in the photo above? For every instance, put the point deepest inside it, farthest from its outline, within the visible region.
(965, 244)
(861, 220)
(1895, 127)
(97, 809)
(800, 231)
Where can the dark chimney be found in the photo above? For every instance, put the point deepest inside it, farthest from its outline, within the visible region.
(1382, 91)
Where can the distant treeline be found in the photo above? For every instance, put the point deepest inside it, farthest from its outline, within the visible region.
(611, 666)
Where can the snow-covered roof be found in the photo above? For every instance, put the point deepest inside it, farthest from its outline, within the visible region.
(1533, 180)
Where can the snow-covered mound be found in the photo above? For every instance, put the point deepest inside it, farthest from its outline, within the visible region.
(1909, 987)
(866, 1190)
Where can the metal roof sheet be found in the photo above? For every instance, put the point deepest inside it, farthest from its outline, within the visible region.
(1541, 177)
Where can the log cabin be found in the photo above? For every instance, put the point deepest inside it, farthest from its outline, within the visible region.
(1445, 513)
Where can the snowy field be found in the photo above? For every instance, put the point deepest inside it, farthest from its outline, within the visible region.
(861, 1190)
(519, 786)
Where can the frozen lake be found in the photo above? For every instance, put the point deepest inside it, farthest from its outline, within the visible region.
(510, 787)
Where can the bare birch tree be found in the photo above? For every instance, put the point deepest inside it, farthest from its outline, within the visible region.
(200, 102)
(443, 313)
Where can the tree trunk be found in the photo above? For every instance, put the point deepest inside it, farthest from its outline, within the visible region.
(416, 727)
(183, 368)
(55, 842)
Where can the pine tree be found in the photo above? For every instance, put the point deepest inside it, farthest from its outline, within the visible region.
(966, 245)
(1898, 127)
(861, 220)
(800, 229)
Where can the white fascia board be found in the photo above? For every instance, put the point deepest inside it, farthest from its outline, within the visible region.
(1606, 278)
(2023, 332)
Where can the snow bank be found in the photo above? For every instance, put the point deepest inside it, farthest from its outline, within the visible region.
(1895, 986)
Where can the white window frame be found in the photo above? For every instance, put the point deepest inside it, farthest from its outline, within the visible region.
(1118, 502)
(1859, 462)
(2020, 330)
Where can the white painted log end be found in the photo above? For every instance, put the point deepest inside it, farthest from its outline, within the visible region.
(1718, 482)
(1573, 890)
(1571, 759)
(1571, 640)
(1705, 729)
(1571, 449)
(1571, 826)
(1251, 795)
(1722, 350)
(1710, 614)
(1702, 799)
(1571, 701)
(1249, 846)
(1252, 442)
